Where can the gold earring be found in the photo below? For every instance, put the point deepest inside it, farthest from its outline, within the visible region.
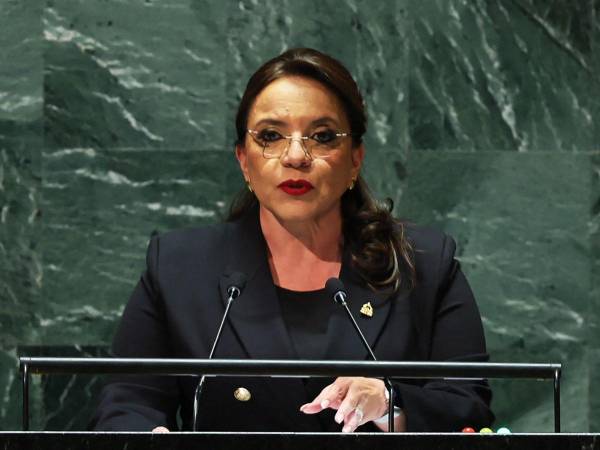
(248, 186)
(352, 184)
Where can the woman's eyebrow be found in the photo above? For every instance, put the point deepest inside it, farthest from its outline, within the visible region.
(268, 121)
(324, 120)
(282, 123)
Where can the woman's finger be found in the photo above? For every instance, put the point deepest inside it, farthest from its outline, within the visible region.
(330, 397)
(160, 430)
(346, 407)
(321, 401)
(353, 420)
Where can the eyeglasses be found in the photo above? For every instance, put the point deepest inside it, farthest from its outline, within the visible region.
(320, 144)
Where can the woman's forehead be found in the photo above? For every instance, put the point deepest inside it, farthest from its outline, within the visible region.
(298, 99)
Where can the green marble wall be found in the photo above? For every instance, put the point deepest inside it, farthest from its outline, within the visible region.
(116, 119)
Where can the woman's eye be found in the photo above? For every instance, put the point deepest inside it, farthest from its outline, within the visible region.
(269, 136)
(324, 137)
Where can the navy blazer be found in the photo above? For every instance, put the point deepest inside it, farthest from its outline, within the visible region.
(175, 310)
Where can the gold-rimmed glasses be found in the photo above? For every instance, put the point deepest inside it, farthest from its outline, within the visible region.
(320, 144)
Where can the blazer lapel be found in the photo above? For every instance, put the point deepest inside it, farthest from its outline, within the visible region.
(342, 339)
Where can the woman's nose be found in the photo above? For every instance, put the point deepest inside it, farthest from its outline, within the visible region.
(296, 154)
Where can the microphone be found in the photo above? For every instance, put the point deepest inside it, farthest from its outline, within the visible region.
(237, 282)
(335, 289)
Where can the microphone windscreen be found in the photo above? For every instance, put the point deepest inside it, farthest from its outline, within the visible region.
(238, 280)
(333, 286)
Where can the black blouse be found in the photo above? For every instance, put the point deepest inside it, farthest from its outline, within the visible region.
(306, 315)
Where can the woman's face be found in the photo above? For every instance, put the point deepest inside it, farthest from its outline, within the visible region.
(295, 187)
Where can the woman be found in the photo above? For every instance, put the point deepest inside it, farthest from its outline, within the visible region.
(305, 217)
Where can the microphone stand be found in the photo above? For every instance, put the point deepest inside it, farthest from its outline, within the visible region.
(233, 292)
(340, 297)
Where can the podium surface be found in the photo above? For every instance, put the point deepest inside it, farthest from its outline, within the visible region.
(292, 441)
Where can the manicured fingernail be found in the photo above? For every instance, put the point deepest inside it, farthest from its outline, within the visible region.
(339, 417)
(324, 404)
(346, 429)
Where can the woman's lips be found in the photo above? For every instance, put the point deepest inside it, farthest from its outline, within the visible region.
(295, 187)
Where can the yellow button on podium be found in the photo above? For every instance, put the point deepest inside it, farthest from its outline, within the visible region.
(242, 394)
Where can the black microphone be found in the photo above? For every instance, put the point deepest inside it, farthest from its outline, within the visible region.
(335, 289)
(237, 281)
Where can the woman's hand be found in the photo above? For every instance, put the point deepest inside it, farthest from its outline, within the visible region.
(357, 401)
(160, 430)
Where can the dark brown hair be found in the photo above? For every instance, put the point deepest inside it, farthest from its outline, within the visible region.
(380, 253)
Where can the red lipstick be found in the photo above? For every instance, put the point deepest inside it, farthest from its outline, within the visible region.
(295, 187)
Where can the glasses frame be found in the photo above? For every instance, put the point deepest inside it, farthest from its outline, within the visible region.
(290, 138)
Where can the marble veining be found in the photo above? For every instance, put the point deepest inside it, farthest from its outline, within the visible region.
(503, 75)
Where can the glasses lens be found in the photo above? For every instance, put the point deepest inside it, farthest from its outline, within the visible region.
(271, 141)
(322, 143)
(274, 149)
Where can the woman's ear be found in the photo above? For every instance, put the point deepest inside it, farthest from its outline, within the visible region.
(357, 155)
(240, 154)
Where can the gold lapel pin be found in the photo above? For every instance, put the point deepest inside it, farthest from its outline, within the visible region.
(242, 394)
(367, 310)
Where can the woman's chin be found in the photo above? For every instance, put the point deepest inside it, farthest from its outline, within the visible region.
(289, 215)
